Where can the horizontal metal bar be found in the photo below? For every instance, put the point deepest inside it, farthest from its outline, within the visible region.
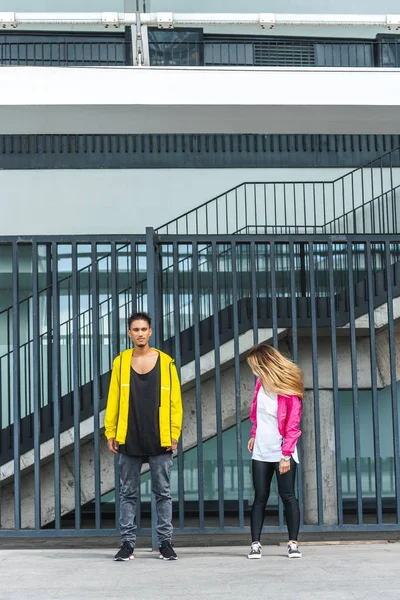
(280, 238)
(244, 238)
(169, 19)
(81, 239)
(72, 533)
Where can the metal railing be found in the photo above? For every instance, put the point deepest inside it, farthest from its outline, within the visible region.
(275, 52)
(66, 53)
(233, 285)
(364, 200)
(194, 50)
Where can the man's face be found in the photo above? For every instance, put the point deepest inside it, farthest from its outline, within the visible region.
(140, 333)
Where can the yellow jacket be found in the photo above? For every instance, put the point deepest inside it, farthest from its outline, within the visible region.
(170, 413)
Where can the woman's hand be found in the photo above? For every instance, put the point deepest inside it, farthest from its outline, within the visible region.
(250, 445)
(284, 466)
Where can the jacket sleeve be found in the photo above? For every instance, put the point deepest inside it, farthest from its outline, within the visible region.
(176, 405)
(112, 409)
(292, 431)
(253, 409)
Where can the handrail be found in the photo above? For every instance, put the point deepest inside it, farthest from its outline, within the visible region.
(206, 205)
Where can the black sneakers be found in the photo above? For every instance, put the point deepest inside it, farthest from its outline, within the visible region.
(125, 552)
(167, 552)
(293, 550)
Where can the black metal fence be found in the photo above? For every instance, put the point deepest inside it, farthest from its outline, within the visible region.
(331, 302)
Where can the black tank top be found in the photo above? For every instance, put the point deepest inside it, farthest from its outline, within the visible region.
(143, 435)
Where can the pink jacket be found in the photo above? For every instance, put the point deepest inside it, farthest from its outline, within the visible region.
(289, 415)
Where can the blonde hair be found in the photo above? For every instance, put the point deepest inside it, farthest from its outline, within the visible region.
(277, 373)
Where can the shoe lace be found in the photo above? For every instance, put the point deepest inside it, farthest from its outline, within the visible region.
(256, 546)
(292, 545)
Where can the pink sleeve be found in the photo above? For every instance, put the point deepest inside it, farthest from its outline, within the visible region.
(253, 409)
(292, 431)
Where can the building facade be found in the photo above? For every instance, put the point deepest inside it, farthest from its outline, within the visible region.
(237, 175)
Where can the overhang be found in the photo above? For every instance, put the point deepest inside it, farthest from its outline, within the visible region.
(40, 100)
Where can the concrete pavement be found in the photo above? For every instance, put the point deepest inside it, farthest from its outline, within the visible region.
(326, 572)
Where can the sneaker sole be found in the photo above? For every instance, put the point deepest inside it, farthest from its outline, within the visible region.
(294, 555)
(172, 557)
(124, 559)
(253, 557)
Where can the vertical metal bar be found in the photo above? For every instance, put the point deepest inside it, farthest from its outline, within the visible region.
(274, 298)
(362, 201)
(37, 367)
(235, 300)
(178, 362)
(354, 376)
(16, 383)
(115, 349)
(275, 335)
(393, 372)
(265, 208)
(255, 207)
(56, 384)
(335, 382)
(314, 341)
(373, 230)
(218, 399)
(374, 384)
(152, 305)
(295, 353)
(199, 425)
(76, 378)
(133, 276)
(254, 292)
(285, 206)
(96, 343)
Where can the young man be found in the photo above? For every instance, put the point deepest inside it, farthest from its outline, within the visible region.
(143, 423)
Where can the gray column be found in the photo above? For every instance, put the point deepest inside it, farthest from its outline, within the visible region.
(326, 454)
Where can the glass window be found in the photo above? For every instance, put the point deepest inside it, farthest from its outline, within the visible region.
(176, 47)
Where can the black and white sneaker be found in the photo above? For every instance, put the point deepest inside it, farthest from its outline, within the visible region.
(293, 550)
(255, 550)
(125, 552)
(167, 552)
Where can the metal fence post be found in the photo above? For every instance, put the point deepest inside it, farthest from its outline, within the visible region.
(152, 309)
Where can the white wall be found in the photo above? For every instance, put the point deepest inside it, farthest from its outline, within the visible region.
(119, 201)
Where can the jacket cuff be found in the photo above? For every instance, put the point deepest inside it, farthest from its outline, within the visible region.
(110, 433)
(175, 433)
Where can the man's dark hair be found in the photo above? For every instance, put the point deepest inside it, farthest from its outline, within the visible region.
(139, 316)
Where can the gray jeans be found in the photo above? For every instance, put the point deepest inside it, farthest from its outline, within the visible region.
(129, 470)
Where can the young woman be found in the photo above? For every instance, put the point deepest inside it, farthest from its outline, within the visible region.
(275, 414)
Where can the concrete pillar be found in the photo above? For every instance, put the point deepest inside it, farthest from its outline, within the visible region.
(326, 454)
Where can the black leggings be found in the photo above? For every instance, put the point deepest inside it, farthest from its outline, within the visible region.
(262, 477)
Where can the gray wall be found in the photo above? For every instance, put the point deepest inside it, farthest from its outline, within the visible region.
(120, 201)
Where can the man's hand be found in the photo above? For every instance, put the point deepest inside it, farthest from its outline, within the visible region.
(113, 445)
(174, 445)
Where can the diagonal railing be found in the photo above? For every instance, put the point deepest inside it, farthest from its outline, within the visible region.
(302, 206)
